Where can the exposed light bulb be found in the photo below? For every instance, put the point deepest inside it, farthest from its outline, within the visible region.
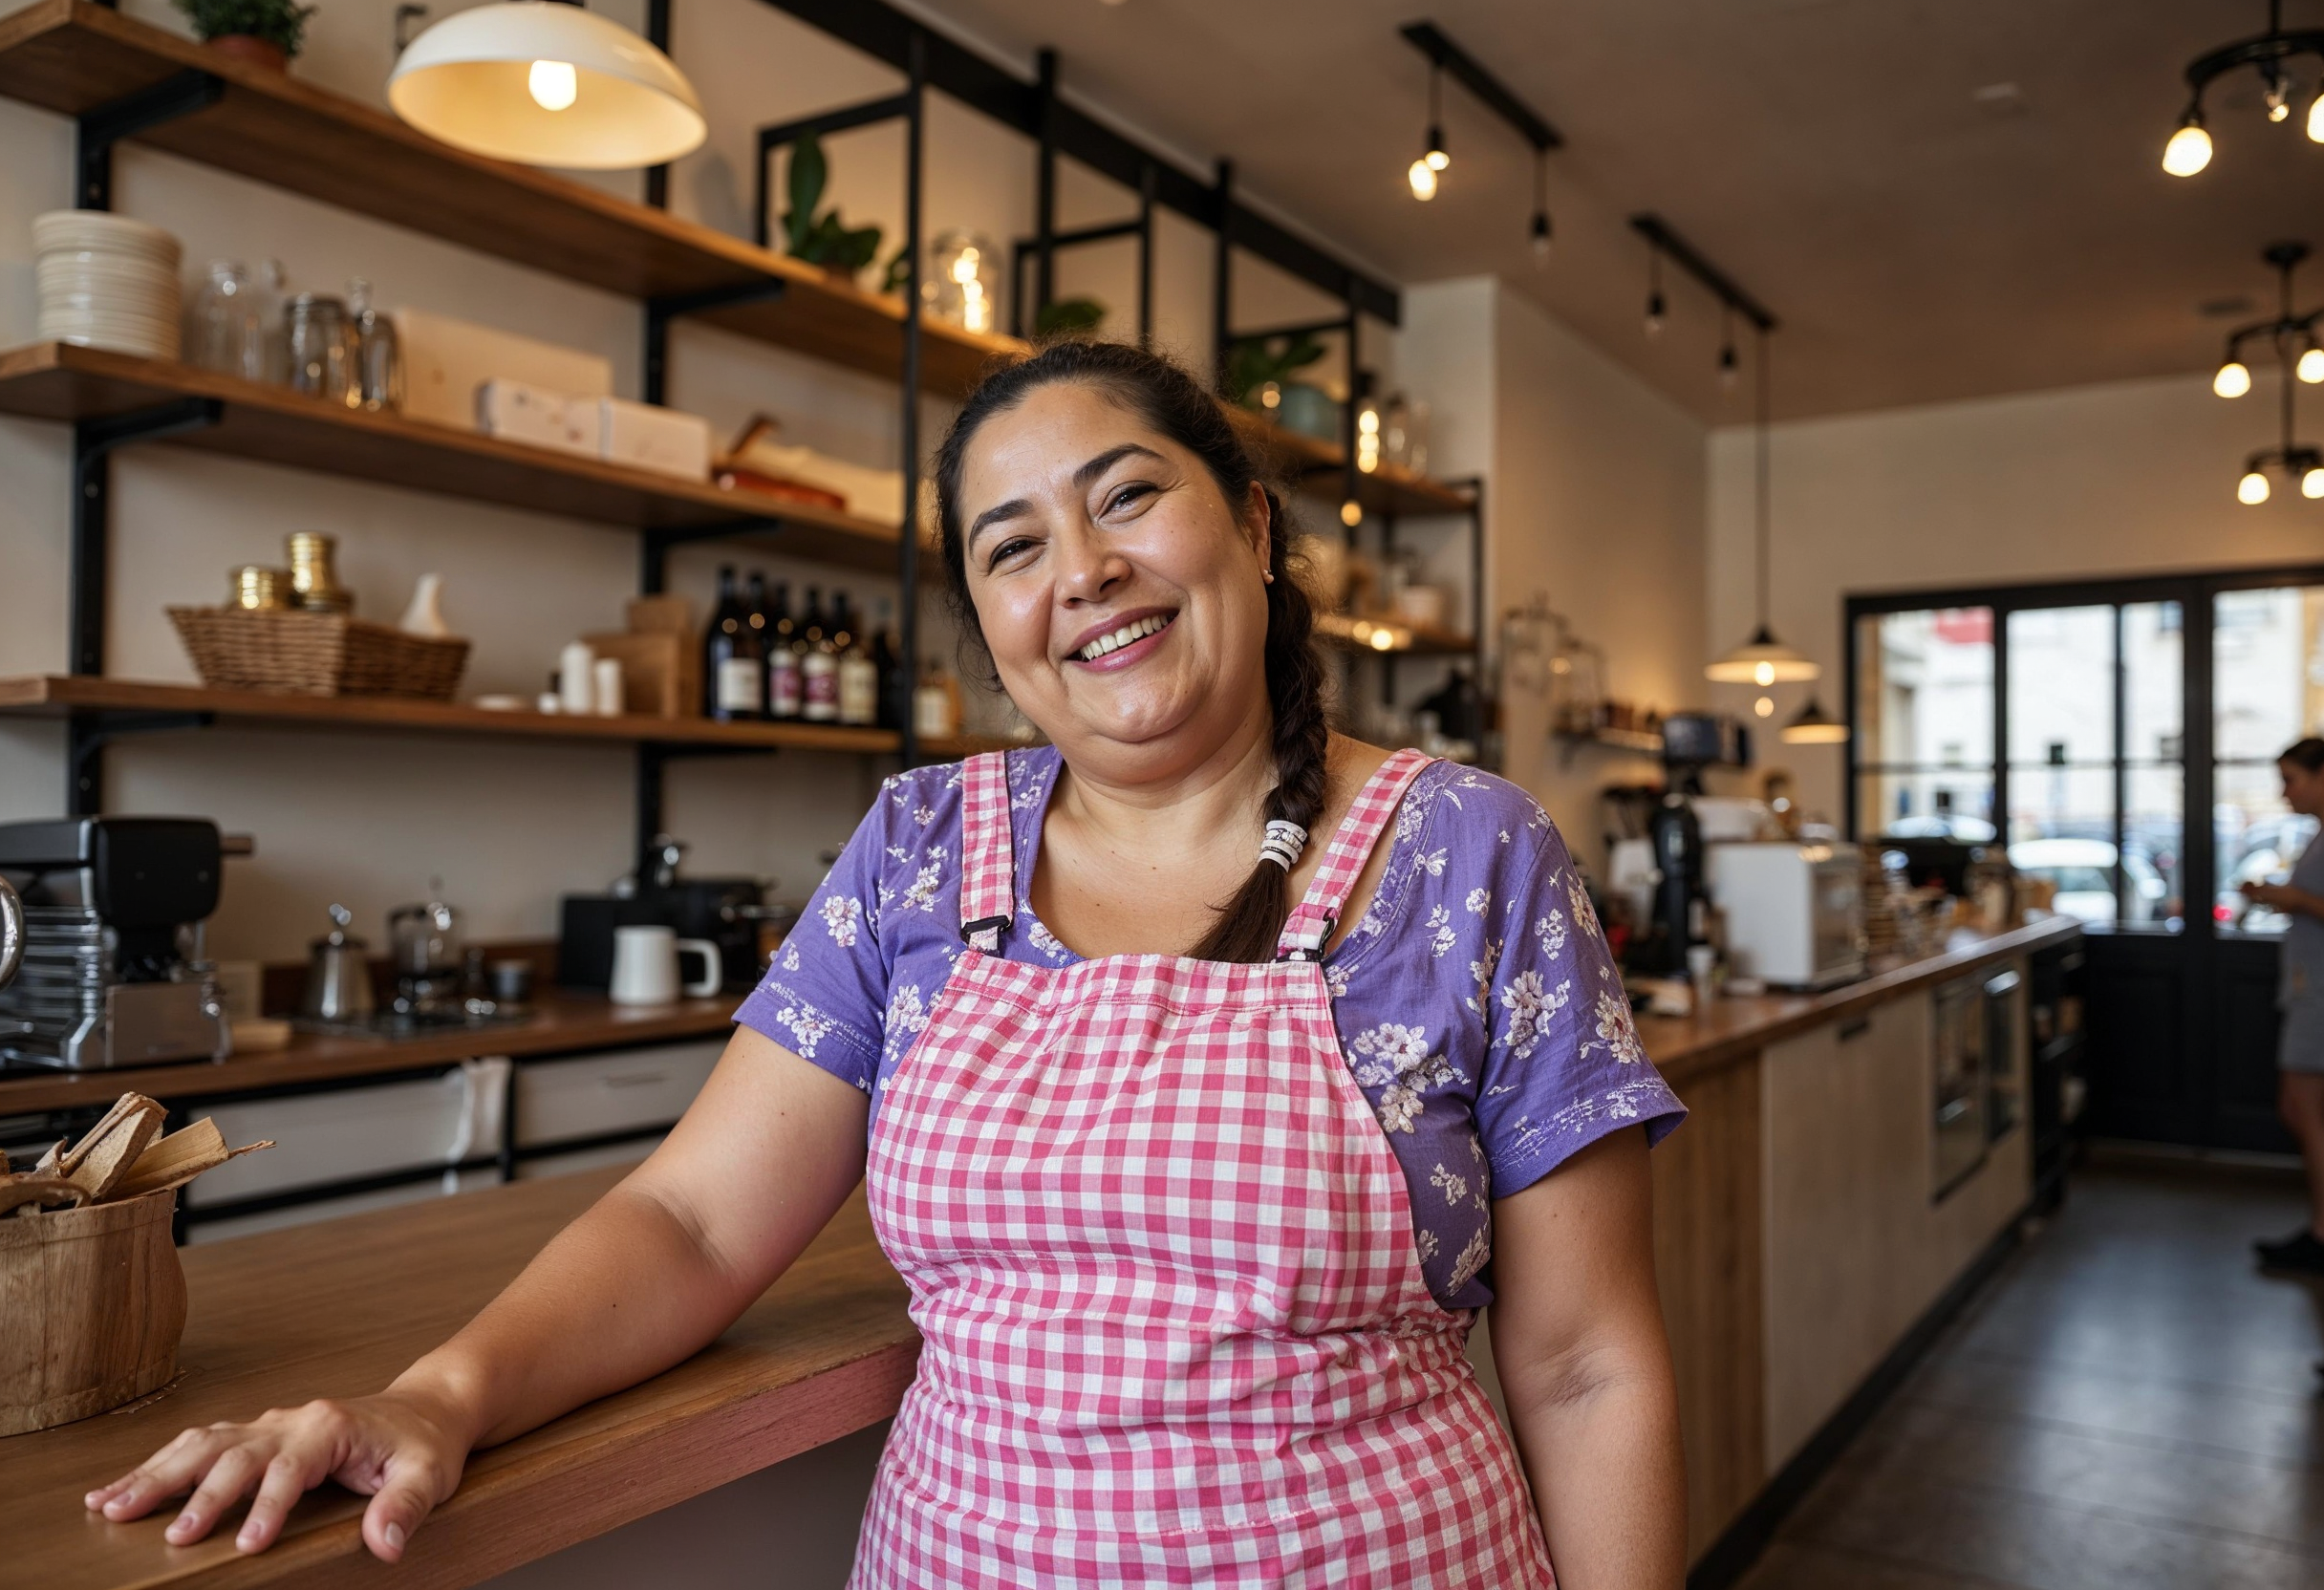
(2189, 149)
(1423, 178)
(2252, 489)
(2315, 118)
(2310, 368)
(1764, 675)
(1540, 237)
(1436, 157)
(2233, 380)
(1727, 366)
(1351, 513)
(1764, 706)
(555, 85)
(2312, 484)
(2279, 98)
(1657, 311)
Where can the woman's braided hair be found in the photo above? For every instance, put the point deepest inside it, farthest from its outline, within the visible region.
(1167, 398)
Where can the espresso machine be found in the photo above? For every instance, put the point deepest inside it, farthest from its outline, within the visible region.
(731, 913)
(111, 970)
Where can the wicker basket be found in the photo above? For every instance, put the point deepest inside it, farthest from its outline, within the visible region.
(316, 654)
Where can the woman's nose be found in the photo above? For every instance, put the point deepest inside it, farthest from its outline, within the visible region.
(1087, 569)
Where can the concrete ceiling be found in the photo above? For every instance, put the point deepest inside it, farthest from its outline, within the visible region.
(1939, 199)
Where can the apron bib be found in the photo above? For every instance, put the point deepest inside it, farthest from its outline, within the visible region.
(1162, 1261)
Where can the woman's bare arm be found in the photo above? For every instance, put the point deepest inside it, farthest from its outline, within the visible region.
(1584, 1364)
(649, 1276)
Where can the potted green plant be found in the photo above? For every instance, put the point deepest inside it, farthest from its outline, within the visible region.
(823, 240)
(263, 32)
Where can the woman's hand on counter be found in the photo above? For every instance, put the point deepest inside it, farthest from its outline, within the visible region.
(403, 1450)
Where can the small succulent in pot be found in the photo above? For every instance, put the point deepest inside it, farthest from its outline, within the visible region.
(265, 33)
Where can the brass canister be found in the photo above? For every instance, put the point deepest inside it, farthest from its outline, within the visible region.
(315, 582)
(260, 589)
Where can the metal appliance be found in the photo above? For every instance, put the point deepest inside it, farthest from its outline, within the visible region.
(339, 974)
(11, 932)
(112, 970)
(1795, 913)
(731, 913)
(1979, 1094)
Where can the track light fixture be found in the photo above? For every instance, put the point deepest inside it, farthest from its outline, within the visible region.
(1733, 301)
(2287, 332)
(1444, 55)
(2189, 149)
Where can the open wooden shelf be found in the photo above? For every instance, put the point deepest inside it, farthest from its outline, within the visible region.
(272, 425)
(1319, 468)
(71, 56)
(1401, 640)
(61, 694)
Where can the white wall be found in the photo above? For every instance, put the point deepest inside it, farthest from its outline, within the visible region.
(2127, 478)
(1593, 495)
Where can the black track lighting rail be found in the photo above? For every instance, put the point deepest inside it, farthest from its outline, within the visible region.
(1687, 258)
(883, 31)
(1490, 91)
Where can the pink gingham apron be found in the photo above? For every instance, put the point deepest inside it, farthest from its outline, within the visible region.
(1163, 1263)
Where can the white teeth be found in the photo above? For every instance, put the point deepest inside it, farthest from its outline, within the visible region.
(1137, 628)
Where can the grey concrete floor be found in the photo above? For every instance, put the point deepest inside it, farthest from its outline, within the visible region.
(2129, 1406)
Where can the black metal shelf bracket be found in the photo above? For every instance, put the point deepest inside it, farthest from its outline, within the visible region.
(896, 107)
(653, 758)
(87, 734)
(100, 129)
(92, 444)
(672, 306)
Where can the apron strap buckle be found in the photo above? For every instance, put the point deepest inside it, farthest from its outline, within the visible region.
(984, 933)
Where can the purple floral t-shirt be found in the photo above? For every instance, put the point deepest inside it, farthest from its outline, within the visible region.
(1476, 1000)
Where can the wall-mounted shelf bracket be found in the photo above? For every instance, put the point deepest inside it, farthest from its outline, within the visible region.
(92, 444)
(660, 311)
(775, 135)
(87, 734)
(653, 758)
(100, 129)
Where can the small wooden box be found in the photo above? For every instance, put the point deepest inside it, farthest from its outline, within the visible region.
(93, 1304)
(661, 673)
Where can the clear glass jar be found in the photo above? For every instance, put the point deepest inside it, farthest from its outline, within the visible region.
(963, 280)
(322, 350)
(379, 356)
(227, 330)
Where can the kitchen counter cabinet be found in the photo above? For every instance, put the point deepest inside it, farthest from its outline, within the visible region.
(339, 1309)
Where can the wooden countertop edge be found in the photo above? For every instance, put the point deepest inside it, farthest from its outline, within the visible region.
(1691, 1058)
(314, 1059)
(560, 1496)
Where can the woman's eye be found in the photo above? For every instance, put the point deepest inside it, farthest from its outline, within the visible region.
(1006, 550)
(1128, 496)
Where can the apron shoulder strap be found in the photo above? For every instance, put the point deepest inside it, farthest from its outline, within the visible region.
(1309, 927)
(988, 869)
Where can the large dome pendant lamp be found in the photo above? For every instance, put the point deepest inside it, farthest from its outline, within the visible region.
(544, 82)
(1763, 660)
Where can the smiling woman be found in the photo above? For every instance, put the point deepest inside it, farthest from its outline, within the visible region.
(1194, 1237)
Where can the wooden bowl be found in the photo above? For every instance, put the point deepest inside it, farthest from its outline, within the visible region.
(91, 1304)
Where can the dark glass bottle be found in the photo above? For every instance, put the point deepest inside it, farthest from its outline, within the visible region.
(894, 692)
(761, 633)
(818, 665)
(782, 657)
(732, 690)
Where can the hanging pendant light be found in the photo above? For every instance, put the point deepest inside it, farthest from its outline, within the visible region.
(2289, 330)
(2189, 149)
(1812, 727)
(546, 83)
(1762, 659)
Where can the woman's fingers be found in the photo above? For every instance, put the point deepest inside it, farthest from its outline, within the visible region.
(288, 1477)
(408, 1492)
(168, 1472)
(230, 1476)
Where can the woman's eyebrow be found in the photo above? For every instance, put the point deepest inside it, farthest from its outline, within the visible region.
(1017, 507)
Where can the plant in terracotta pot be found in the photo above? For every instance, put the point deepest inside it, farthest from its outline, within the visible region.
(264, 33)
(823, 240)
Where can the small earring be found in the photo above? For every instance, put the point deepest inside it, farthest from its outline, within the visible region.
(1267, 574)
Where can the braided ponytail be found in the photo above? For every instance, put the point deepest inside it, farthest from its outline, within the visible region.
(1166, 398)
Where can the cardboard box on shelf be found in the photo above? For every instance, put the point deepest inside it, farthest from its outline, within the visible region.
(661, 615)
(661, 673)
(445, 361)
(646, 437)
(514, 412)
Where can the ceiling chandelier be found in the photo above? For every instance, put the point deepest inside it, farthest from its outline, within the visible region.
(2189, 149)
(1434, 160)
(2298, 358)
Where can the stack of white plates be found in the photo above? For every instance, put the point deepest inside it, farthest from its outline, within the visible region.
(107, 282)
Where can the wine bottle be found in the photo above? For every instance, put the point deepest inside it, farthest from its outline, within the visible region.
(818, 666)
(731, 688)
(754, 614)
(783, 657)
(894, 693)
(859, 675)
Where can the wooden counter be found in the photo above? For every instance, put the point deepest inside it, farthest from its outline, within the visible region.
(562, 1021)
(339, 1309)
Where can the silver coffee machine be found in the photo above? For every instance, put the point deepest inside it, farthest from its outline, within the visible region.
(111, 971)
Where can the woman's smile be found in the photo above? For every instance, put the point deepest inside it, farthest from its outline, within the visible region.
(1122, 644)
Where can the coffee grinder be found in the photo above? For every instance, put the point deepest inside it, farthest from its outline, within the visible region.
(1691, 742)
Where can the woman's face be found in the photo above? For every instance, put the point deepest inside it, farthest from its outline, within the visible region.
(2303, 790)
(1119, 591)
